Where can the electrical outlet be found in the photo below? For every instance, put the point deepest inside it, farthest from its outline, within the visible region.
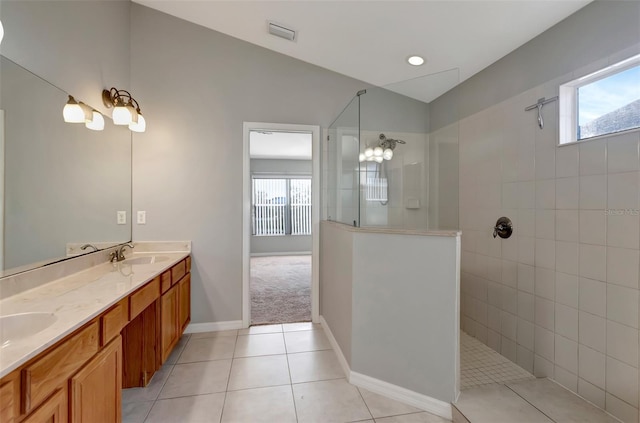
(121, 217)
(142, 217)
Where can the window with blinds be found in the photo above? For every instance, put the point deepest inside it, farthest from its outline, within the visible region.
(281, 206)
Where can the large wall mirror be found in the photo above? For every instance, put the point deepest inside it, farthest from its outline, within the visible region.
(62, 184)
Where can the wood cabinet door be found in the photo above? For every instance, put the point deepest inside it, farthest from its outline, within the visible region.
(169, 321)
(96, 390)
(53, 410)
(184, 302)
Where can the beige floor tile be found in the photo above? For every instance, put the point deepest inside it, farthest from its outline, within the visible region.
(416, 418)
(136, 412)
(195, 409)
(151, 391)
(254, 345)
(308, 340)
(268, 405)
(329, 401)
(177, 350)
(256, 330)
(380, 406)
(206, 377)
(497, 403)
(314, 366)
(558, 403)
(258, 372)
(294, 327)
(216, 334)
(205, 349)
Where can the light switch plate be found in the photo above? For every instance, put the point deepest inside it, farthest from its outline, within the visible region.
(142, 217)
(121, 217)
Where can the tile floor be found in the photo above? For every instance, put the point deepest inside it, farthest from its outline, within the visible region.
(530, 401)
(480, 365)
(275, 374)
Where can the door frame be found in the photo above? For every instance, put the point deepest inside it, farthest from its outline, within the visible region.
(246, 212)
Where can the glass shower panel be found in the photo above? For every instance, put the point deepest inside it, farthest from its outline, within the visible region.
(342, 166)
(411, 179)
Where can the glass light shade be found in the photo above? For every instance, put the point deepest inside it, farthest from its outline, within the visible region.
(368, 152)
(377, 151)
(97, 121)
(378, 159)
(361, 157)
(121, 115)
(72, 112)
(140, 125)
(387, 154)
(1, 32)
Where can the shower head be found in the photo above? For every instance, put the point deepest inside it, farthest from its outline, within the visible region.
(389, 142)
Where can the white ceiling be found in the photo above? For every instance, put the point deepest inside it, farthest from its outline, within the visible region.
(280, 145)
(370, 40)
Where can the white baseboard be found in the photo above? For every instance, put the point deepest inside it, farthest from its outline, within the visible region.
(398, 393)
(291, 253)
(403, 395)
(213, 326)
(334, 344)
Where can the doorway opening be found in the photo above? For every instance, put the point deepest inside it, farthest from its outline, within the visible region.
(280, 223)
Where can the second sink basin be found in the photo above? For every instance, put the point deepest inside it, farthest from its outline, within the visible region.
(17, 326)
(146, 260)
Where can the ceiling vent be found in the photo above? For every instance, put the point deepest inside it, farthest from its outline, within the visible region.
(282, 31)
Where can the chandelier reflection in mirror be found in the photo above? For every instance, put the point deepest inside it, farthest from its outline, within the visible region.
(383, 151)
(78, 112)
(126, 110)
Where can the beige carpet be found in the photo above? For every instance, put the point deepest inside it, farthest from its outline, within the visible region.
(280, 289)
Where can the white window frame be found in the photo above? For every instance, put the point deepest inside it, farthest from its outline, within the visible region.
(568, 99)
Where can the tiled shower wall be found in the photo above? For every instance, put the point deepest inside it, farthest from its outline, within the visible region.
(560, 297)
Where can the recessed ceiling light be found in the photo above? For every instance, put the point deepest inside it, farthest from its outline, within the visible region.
(415, 60)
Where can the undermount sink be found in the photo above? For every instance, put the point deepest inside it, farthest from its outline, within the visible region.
(146, 260)
(17, 326)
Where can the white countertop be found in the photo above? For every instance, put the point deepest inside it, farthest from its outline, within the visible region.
(75, 300)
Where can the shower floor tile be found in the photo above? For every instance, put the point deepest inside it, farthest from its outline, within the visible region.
(480, 365)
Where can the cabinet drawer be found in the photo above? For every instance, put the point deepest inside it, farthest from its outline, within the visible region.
(188, 261)
(178, 271)
(165, 281)
(10, 398)
(141, 299)
(113, 321)
(56, 366)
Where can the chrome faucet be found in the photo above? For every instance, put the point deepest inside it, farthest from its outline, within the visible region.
(85, 246)
(118, 255)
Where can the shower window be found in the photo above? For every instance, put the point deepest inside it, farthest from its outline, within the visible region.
(281, 206)
(602, 103)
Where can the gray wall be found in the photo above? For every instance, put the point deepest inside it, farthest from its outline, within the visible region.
(588, 35)
(188, 165)
(336, 283)
(405, 311)
(281, 244)
(80, 46)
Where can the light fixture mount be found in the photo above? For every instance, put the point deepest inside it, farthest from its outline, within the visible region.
(126, 109)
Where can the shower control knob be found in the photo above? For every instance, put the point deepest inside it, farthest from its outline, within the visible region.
(503, 228)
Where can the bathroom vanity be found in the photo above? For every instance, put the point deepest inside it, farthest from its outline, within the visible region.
(99, 330)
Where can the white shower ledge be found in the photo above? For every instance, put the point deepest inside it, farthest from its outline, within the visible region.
(394, 231)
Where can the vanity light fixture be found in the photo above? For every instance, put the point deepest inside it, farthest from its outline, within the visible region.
(415, 60)
(1, 32)
(97, 121)
(74, 112)
(126, 110)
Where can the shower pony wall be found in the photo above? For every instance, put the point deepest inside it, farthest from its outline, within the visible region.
(389, 278)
